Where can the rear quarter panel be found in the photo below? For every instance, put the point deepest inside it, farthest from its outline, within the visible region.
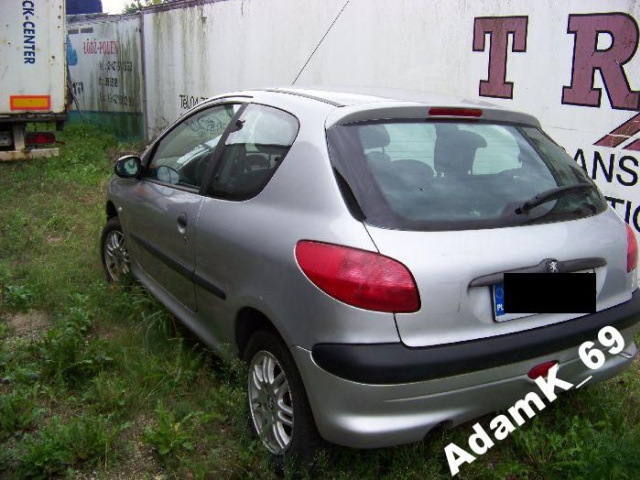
(247, 248)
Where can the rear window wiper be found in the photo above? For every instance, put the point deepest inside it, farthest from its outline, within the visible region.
(549, 195)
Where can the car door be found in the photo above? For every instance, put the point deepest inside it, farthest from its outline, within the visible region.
(229, 245)
(163, 207)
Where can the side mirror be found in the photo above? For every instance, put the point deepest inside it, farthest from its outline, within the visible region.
(128, 166)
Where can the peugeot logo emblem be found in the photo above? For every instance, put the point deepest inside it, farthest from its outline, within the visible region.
(552, 266)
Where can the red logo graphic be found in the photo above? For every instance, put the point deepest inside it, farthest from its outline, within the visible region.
(623, 133)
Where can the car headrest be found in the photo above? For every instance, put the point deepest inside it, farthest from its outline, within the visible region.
(455, 150)
(374, 136)
(472, 140)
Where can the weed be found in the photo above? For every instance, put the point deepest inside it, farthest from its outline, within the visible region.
(107, 393)
(5, 330)
(579, 448)
(64, 353)
(184, 365)
(17, 296)
(172, 437)
(18, 412)
(60, 446)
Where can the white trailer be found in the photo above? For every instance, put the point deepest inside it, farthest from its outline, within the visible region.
(33, 85)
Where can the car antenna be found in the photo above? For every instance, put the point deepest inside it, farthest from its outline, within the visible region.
(320, 42)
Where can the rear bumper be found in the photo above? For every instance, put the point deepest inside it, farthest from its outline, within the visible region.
(363, 415)
(394, 363)
(28, 154)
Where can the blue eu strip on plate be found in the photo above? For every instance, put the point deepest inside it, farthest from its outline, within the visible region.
(499, 314)
(498, 300)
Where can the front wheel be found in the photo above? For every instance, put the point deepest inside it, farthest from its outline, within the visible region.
(278, 404)
(115, 256)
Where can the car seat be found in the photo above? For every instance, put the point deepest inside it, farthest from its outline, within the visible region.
(455, 150)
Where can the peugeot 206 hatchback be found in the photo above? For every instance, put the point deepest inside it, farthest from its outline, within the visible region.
(351, 248)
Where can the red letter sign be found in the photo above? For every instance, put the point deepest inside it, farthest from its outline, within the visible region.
(587, 58)
(499, 29)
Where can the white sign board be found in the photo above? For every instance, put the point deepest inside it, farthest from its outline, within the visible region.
(104, 59)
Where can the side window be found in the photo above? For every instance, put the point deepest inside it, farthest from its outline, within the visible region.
(252, 153)
(181, 157)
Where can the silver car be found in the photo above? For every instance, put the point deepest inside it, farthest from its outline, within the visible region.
(355, 249)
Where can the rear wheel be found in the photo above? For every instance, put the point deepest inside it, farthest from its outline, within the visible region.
(278, 404)
(115, 256)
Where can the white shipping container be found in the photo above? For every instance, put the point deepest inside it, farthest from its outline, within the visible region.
(32, 57)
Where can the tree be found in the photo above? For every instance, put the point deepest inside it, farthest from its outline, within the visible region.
(137, 5)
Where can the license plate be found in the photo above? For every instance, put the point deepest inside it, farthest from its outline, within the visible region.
(569, 289)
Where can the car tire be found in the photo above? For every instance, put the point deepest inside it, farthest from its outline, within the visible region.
(279, 411)
(114, 253)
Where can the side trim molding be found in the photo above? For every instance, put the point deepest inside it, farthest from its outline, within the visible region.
(179, 267)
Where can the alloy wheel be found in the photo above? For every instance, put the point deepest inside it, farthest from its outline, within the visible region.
(116, 255)
(270, 402)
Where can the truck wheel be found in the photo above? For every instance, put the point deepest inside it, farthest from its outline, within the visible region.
(279, 409)
(115, 256)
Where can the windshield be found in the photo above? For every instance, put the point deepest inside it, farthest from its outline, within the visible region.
(422, 175)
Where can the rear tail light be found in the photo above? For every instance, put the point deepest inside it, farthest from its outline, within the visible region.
(39, 138)
(455, 112)
(632, 250)
(359, 278)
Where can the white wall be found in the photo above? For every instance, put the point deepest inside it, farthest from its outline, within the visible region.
(217, 47)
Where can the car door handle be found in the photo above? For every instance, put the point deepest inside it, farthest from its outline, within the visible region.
(182, 223)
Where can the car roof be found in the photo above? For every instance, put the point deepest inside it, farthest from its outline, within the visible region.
(352, 96)
(355, 104)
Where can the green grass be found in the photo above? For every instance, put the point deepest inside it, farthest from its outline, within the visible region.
(100, 381)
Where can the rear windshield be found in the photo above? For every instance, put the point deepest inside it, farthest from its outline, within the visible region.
(422, 175)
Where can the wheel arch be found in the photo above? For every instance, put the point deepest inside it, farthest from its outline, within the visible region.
(111, 210)
(248, 321)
